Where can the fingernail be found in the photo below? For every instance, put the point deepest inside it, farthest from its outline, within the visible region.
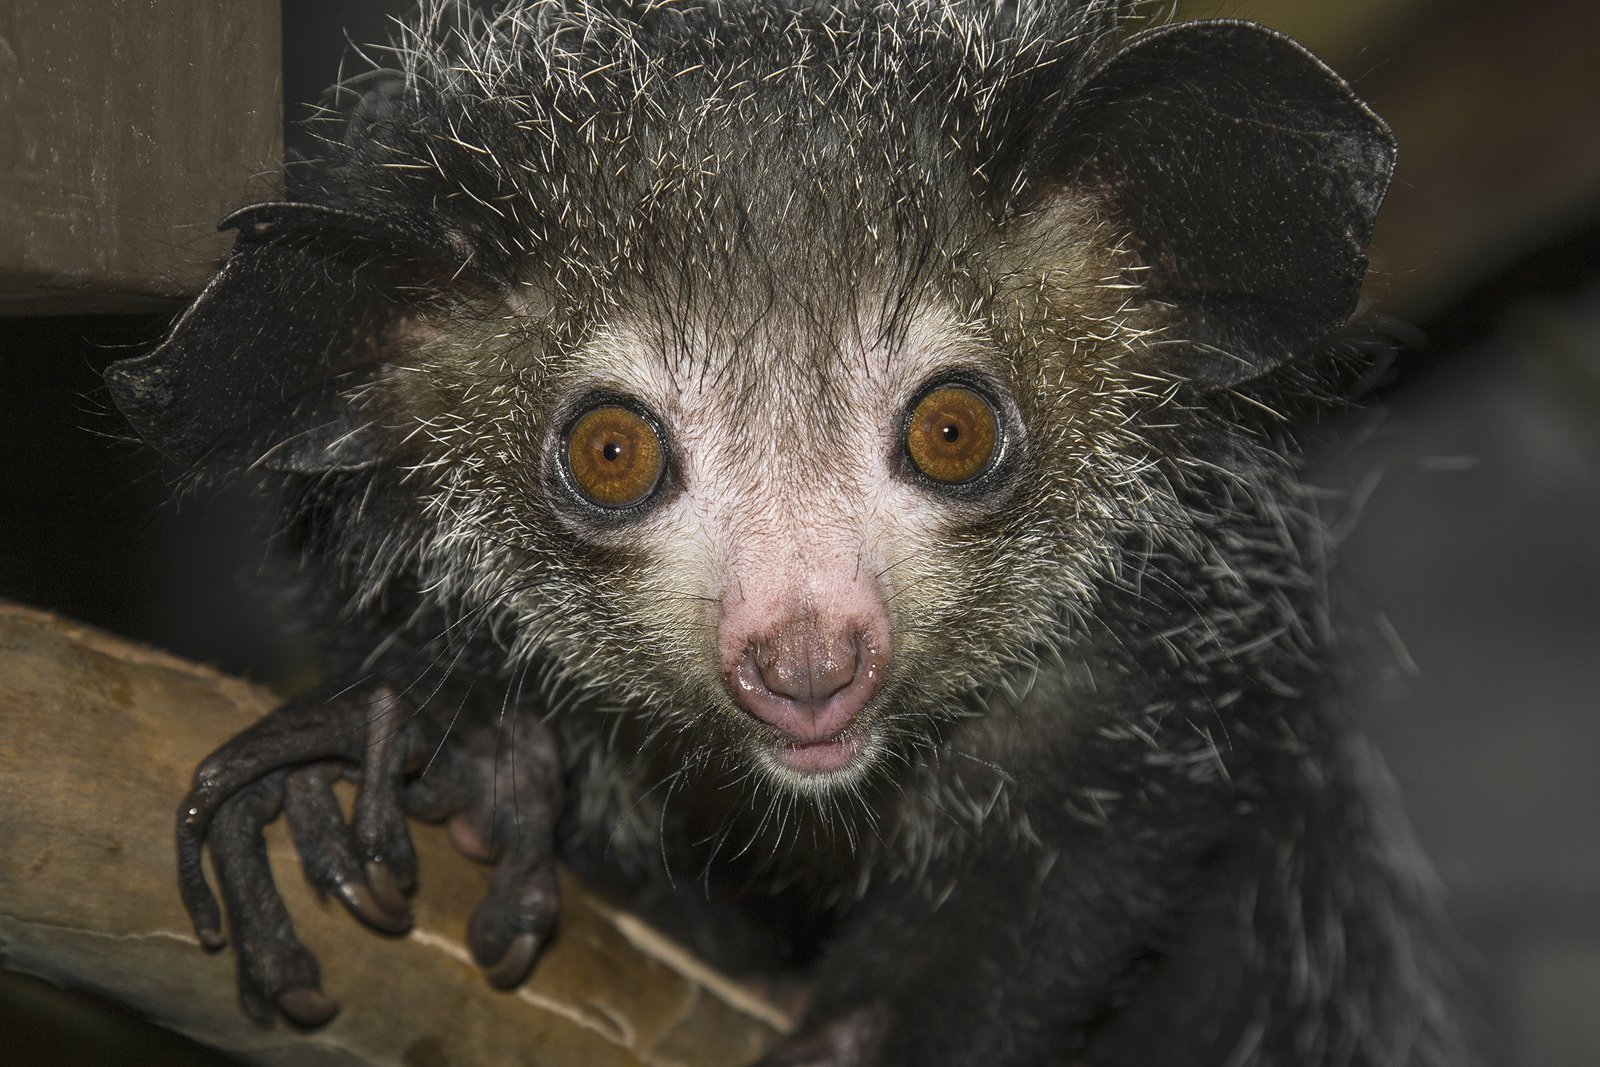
(385, 889)
(307, 1007)
(363, 904)
(515, 964)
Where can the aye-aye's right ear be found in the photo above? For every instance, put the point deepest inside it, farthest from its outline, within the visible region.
(261, 367)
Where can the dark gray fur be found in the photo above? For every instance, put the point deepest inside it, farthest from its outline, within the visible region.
(1122, 819)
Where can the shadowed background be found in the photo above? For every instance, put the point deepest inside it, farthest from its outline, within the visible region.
(1468, 487)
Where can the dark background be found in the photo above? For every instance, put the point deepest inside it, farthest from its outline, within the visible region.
(1468, 491)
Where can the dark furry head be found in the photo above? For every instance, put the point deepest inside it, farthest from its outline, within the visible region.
(767, 234)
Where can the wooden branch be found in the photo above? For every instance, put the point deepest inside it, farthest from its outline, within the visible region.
(98, 739)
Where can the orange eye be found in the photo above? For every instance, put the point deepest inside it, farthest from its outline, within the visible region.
(952, 434)
(615, 456)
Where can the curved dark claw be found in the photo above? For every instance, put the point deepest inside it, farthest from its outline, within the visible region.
(386, 890)
(327, 853)
(510, 926)
(364, 904)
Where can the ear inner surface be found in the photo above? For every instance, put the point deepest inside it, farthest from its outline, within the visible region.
(1247, 175)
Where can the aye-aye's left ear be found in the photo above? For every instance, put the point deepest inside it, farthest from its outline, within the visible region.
(1247, 175)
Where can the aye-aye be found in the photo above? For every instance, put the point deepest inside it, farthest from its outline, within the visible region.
(821, 471)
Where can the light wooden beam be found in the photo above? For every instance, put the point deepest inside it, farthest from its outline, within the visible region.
(98, 739)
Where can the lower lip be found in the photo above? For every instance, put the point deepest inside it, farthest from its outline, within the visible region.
(820, 757)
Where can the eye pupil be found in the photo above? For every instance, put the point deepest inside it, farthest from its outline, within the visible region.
(615, 456)
(952, 434)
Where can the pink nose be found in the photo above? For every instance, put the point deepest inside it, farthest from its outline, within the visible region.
(807, 680)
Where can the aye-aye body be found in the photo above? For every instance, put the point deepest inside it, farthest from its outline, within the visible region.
(815, 469)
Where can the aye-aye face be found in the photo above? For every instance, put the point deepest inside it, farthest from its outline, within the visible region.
(810, 540)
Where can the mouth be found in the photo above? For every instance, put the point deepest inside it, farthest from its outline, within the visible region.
(823, 756)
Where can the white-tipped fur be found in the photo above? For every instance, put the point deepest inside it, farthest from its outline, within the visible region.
(770, 231)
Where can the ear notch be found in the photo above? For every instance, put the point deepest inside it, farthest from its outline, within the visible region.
(261, 368)
(1248, 175)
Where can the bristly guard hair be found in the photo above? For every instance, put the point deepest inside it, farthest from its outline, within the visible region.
(704, 169)
(735, 186)
(765, 231)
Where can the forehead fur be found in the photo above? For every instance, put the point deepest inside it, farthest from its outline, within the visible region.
(638, 152)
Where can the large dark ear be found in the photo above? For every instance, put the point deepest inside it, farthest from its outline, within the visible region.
(259, 369)
(1248, 176)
